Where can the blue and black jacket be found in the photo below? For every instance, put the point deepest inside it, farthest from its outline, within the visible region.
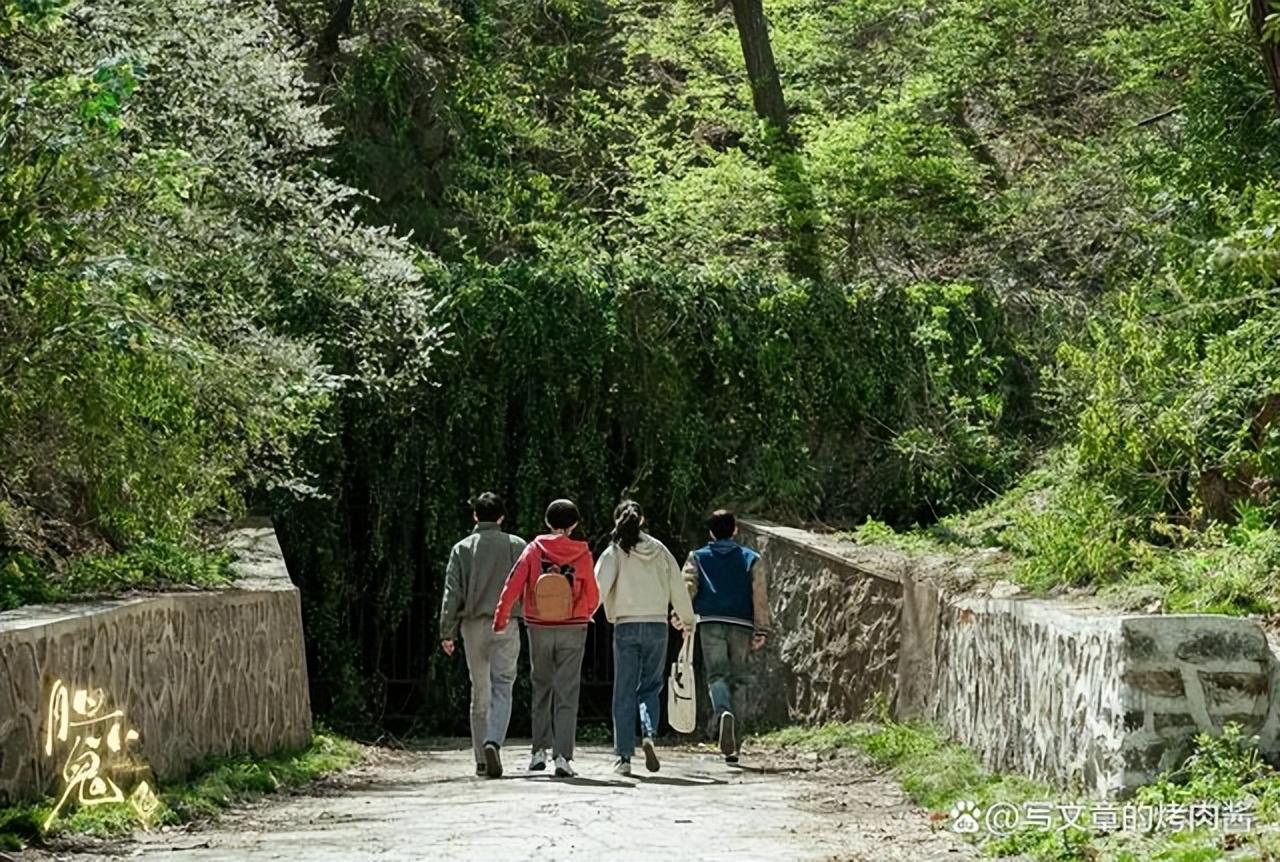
(729, 582)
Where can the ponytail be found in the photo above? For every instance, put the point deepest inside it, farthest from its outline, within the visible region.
(626, 525)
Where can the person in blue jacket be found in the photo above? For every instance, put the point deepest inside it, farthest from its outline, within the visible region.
(729, 587)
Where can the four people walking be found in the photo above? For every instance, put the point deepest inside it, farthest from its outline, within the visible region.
(493, 576)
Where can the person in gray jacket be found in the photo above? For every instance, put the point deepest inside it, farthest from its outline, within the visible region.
(478, 567)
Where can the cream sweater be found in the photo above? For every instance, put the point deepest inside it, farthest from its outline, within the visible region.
(639, 587)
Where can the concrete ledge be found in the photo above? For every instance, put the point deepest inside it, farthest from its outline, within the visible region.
(191, 673)
(1061, 692)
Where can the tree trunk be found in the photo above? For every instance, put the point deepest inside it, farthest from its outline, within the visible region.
(339, 23)
(1258, 12)
(804, 257)
(766, 88)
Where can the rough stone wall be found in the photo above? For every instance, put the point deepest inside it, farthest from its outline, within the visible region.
(1062, 692)
(837, 631)
(1034, 689)
(1077, 696)
(194, 673)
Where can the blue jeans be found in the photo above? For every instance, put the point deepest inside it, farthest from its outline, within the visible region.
(639, 658)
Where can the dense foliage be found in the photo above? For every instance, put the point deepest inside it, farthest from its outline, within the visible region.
(629, 305)
(1165, 398)
(376, 256)
(182, 289)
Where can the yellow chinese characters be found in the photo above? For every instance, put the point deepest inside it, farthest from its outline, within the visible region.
(94, 740)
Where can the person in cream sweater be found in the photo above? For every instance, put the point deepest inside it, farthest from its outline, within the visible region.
(640, 581)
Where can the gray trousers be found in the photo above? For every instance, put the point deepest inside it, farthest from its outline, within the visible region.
(555, 656)
(491, 660)
(726, 656)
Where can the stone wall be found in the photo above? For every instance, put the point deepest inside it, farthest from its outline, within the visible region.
(191, 673)
(1062, 692)
(838, 637)
(1035, 689)
(1106, 701)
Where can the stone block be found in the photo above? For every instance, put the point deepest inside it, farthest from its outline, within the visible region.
(1250, 722)
(840, 628)
(1164, 683)
(1224, 644)
(1173, 722)
(1224, 688)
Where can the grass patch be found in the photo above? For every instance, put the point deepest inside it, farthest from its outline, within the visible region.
(222, 782)
(937, 774)
(216, 784)
(150, 565)
(1062, 529)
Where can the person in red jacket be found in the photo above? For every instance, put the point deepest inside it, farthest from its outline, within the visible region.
(555, 579)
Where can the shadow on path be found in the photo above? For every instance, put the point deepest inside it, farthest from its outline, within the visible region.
(769, 770)
(706, 781)
(579, 781)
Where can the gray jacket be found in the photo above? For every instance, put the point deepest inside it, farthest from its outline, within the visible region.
(478, 567)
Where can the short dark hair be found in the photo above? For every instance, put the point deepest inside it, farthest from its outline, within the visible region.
(562, 514)
(488, 506)
(722, 524)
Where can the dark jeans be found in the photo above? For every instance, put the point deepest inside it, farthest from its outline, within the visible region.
(726, 650)
(639, 658)
(555, 659)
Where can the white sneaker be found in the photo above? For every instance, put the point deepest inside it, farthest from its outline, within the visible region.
(564, 768)
(651, 762)
(492, 760)
(538, 762)
(728, 735)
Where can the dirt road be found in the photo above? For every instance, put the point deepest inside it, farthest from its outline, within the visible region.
(428, 805)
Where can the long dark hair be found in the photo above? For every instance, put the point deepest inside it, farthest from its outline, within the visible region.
(626, 525)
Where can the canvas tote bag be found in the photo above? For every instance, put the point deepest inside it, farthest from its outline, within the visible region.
(682, 707)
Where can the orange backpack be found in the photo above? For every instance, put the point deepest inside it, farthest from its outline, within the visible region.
(553, 592)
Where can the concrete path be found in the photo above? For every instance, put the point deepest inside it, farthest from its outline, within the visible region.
(428, 805)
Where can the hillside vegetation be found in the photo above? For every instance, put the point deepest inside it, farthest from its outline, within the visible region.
(352, 261)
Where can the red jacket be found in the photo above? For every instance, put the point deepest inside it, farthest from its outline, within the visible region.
(564, 552)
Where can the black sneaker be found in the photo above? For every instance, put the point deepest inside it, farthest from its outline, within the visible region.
(622, 766)
(728, 738)
(492, 760)
(731, 759)
(650, 755)
(481, 770)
